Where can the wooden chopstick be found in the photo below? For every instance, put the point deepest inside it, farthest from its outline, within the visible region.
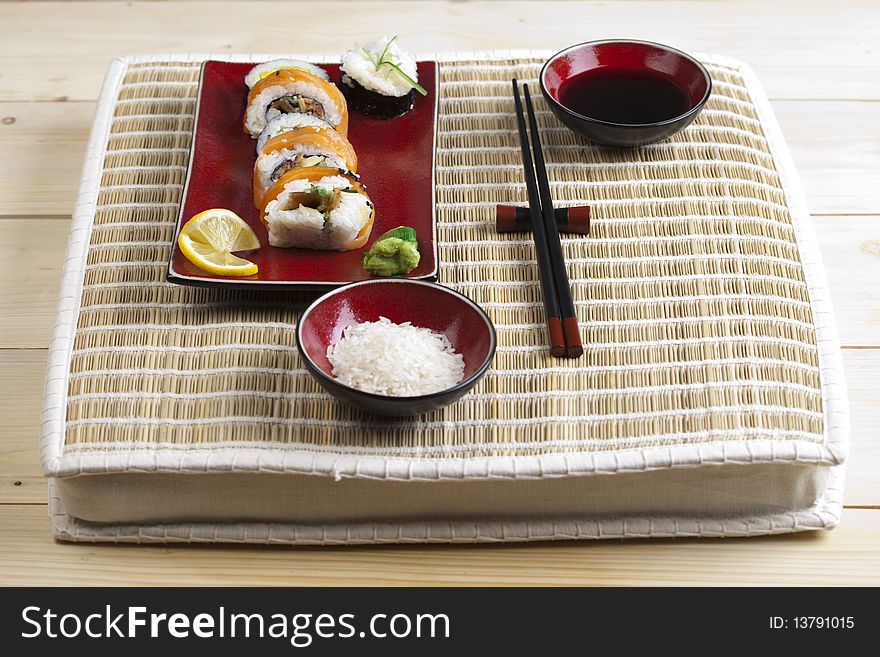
(573, 346)
(545, 270)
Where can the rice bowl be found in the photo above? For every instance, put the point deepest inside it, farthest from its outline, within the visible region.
(464, 324)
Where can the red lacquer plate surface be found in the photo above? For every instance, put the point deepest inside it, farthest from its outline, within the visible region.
(395, 161)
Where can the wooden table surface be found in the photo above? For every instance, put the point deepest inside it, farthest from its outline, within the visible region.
(820, 64)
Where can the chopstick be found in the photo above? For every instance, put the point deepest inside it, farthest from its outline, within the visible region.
(551, 260)
(573, 346)
(545, 271)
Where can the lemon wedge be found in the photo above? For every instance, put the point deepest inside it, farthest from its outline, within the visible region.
(209, 238)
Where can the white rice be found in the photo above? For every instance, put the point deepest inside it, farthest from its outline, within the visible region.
(386, 80)
(396, 360)
(306, 228)
(258, 114)
(258, 71)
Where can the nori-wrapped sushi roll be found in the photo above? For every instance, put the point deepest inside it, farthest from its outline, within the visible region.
(374, 104)
(380, 79)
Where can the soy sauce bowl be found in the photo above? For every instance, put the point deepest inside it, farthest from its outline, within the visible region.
(425, 305)
(628, 59)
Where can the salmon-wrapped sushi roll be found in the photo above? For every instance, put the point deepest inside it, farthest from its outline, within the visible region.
(287, 123)
(294, 91)
(318, 208)
(308, 146)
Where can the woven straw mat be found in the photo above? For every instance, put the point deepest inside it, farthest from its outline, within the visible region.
(690, 293)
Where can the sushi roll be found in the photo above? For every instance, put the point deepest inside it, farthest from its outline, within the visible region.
(292, 91)
(380, 79)
(318, 208)
(260, 71)
(285, 123)
(308, 146)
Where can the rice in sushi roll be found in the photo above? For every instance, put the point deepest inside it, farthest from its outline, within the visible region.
(287, 123)
(380, 79)
(318, 208)
(308, 146)
(293, 91)
(261, 71)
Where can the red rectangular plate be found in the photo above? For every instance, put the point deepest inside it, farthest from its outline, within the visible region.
(395, 162)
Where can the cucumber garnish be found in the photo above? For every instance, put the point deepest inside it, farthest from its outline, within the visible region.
(379, 63)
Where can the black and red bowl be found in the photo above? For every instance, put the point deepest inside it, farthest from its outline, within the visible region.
(425, 305)
(651, 59)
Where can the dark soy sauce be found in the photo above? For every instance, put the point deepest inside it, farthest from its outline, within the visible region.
(624, 96)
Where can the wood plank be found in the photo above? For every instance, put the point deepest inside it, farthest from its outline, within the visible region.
(835, 145)
(844, 556)
(21, 402)
(836, 151)
(863, 464)
(851, 252)
(21, 393)
(71, 44)
(42, 148)
(32, 255)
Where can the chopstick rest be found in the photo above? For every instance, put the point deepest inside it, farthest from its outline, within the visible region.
(516, 218)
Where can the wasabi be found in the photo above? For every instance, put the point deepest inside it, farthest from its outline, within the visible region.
(394, 253)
